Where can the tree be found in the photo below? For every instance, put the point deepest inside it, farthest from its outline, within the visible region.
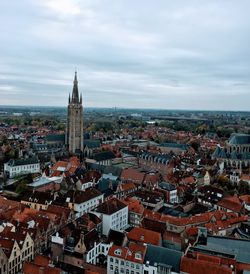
(195, 145)
(22, 187)
(243, 187)
(222, 181)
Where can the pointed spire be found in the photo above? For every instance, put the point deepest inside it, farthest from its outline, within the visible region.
(75, 94)
(81, 99)
(69, 98)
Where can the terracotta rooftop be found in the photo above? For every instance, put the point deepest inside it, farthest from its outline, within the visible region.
(139, 234)
(41, 260)
(132, 175)
(198, 266)
(194, 220)
(245, 198)
(126, 186)
(134, 205)
(230, 202)
(133, 253)
(33, 268)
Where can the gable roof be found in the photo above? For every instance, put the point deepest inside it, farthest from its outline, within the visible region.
(104, 155)
(163, 256)
(139, 234)
(110, 207)
(239, 139)
(92, 143)
(231, 202)
(133, 175)
(195, 266)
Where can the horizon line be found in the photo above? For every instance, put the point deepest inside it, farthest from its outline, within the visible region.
(128, 108)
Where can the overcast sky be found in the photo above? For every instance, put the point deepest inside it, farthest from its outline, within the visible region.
(181, 54)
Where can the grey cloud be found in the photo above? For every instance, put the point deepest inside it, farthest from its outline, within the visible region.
(165, 54)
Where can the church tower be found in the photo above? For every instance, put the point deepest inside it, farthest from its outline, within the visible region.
(74, 126)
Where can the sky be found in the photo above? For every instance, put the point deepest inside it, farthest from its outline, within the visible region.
(181, 54)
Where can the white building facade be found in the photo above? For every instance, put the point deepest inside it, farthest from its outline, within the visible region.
(22, 166)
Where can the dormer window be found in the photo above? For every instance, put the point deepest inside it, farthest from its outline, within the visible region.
(138, 256)
(118, 252)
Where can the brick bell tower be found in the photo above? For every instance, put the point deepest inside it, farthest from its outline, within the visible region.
(74, 126)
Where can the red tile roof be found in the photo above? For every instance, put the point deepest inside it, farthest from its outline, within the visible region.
(129, 253)
(139, 234)
(126, 186)
(41, 260)
(32, 268)
(195, 220)
(132, 175)
(231, 202)
(134, 205)
(188, 180)
(196, 266)
(245, 198)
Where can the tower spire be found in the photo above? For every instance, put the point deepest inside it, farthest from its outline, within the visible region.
(75, 93)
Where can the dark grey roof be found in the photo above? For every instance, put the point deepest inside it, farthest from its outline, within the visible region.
(233, 155)
(105, 184)
(104, 155)
(116, 237)
(237, 247)
(221, 153)
(156, 157)
(239, 139)
(246, 156)
(25, 161)
(38, 197)
(92, 143)
(163, 256)
(167, 186)
(175, 145)
(97, 167)
(130, 152)
(55, 138)
(78, 196)
(116, 171)
(217, 151)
